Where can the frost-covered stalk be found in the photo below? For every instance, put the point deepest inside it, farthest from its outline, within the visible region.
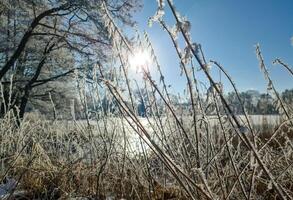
(240, 181)
(270, 84)
(279, 61)
(53, 106)
(239, 99)
(174, 169)
(183, 62)
(149, 141)
(238, 124)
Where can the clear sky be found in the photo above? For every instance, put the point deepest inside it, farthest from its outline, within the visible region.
(228, 31)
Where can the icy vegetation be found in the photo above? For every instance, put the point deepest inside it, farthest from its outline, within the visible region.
(77, 122)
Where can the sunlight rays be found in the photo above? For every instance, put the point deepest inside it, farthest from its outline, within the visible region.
(139, 60)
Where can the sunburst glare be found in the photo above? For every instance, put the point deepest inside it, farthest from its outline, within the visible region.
(139, 60)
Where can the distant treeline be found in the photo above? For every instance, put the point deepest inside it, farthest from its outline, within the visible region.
(254, 102)
(259, 103)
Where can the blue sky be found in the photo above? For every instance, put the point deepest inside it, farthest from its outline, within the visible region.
(228, 31)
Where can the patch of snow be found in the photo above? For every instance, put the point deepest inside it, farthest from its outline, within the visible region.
(7, 187)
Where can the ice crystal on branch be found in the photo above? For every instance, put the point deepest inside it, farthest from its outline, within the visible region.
(187, 56)
(157, 17)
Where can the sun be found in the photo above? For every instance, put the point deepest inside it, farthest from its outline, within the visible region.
(140, 59)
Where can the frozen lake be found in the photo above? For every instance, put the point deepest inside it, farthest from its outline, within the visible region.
(135, 141)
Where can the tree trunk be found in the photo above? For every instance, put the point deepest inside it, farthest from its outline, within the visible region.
(23, 103)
